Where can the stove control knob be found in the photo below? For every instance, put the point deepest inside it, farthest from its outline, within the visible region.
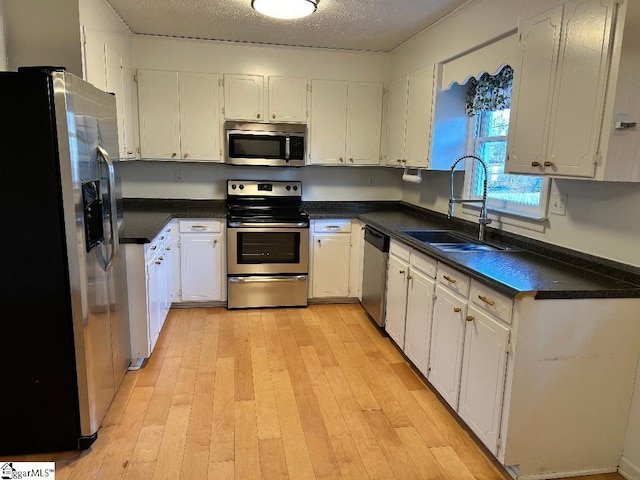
(233, 186)
(241, 187)
(295, 187)
(288, 187)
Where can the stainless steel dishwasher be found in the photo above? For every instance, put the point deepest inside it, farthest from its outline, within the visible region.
(374, 283)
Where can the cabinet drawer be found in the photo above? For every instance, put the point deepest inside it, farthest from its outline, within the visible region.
(454, 280)
(489, 300)
(158, 243)
(425, 264)
(212, 226)
(340, 225)
(399, 250)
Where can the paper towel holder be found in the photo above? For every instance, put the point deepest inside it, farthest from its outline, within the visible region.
(412, 178)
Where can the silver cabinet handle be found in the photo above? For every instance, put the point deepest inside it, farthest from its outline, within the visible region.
(296, 278)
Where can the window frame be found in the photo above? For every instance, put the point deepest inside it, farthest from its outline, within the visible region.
(500, 207)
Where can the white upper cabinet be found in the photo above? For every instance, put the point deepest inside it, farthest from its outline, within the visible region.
(115, 85)
(200, 130)
(328, 125)
(570, 76)
(345, 122)
(410, 114)
(287, 99)
(159, 113)
(364, 120)
(397, 115)
(179, 117)
(244, 97)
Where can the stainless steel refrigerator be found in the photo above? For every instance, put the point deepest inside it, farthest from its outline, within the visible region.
(64, 327)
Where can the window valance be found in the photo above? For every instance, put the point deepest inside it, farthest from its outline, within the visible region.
(490, 92)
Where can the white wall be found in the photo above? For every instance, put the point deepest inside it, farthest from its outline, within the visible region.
(43, 32)
(631, 457)
(99, 20)
(146, 179)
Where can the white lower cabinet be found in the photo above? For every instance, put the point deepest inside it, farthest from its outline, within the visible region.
(484, 363)
(447, 341)
(201, 257)
(546, 385)
(396, 305)
(149, 279)
(410, 289)
(335, 258)
(420, 293)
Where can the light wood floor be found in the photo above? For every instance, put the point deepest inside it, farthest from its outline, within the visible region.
(275, 394)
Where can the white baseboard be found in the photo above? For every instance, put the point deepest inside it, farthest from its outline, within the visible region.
(628, 470)
(576, 473)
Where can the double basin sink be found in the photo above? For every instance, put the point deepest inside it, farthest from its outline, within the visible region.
(448, 241)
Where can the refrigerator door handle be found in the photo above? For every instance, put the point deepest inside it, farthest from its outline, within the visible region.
(113, 216)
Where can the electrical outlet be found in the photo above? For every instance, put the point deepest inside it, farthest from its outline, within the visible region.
(178, 175)
(371, 180)
(558, 204)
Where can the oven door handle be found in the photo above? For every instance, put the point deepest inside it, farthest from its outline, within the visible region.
(267, 225)
(297, 278)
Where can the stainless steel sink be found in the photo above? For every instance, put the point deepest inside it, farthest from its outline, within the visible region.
(464, 247)
(436, 236)
(448, 241)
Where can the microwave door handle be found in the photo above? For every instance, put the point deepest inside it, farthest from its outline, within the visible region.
(287, 148)
(113, 216)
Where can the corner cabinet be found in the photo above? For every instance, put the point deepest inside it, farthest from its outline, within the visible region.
(345, 123)
(178, 115)
(410, 119)
(572, 96)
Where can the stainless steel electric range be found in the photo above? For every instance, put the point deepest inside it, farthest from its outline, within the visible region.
(268, 244)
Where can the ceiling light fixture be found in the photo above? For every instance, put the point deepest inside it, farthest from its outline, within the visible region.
(285, 9)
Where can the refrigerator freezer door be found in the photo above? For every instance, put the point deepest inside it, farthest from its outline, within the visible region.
(86, 122)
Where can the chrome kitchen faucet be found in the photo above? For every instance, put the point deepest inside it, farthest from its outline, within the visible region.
(483, 221)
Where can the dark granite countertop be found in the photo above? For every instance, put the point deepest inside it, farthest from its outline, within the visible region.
(144, 218)
(527, 268)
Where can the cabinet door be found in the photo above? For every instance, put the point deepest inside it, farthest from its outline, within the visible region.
(167, 279)
(200, 128)
(243, 97)
(115, 85)
(397, 121)
(159, 114)
(130, 119)
(331, 265)
(532, 93)
(447, 339)
(200, 265)
(287, 99)
(364, 119)
(483, 375)
(356, 259)
(396, 305)
(580, 87)
(328, 123)
(420, 295)
(94, 60)
(419, 117)
(153, 301)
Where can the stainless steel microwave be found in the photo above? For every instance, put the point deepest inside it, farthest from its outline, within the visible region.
(267, 144)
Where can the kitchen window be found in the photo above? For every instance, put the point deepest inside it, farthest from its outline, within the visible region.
(488, 101)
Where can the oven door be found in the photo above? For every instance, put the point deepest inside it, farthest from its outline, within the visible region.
(267, 250)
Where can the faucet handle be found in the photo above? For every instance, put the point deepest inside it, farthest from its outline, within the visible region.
(484, 221)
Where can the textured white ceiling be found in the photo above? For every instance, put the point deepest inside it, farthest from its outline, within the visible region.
(375, 25)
